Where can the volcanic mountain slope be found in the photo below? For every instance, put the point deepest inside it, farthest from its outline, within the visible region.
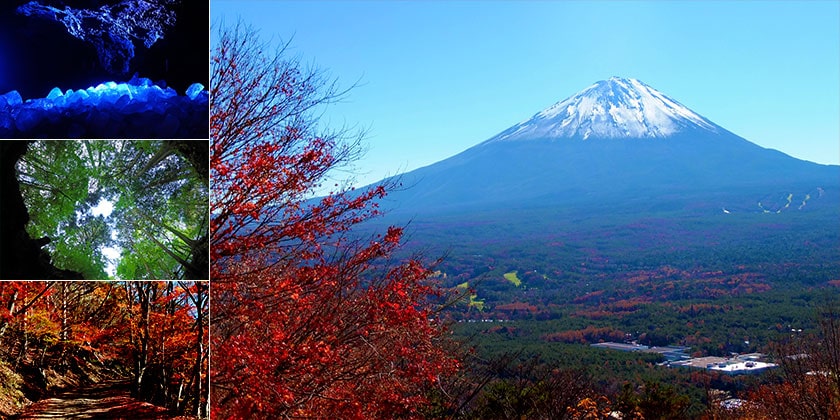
(618, 144)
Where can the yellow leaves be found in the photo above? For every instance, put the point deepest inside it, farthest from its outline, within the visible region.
(592, 408)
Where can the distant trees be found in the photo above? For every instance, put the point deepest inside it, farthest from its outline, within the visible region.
(651, 400)
(307, 321)
(528, 390)
(168, 342)
(810, 386)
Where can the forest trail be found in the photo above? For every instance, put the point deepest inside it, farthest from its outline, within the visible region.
(105, 400)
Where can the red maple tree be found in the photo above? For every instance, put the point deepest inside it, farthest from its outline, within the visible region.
(307, 321)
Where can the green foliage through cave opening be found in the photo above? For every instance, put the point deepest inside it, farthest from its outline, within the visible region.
(158, 199)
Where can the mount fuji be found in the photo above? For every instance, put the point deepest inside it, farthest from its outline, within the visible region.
(617, 146)
(614, 108)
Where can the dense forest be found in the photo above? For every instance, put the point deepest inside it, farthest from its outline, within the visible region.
(117, 209)
(534, 301)
(150, 337)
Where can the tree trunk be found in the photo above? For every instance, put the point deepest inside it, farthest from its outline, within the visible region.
(200, 299)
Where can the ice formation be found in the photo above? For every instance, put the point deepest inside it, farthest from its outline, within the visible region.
(137, 109)
(112, 29)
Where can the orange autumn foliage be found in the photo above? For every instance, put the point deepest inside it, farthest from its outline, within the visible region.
(309, 321)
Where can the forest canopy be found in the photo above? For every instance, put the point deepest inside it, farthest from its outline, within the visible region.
(123, 209)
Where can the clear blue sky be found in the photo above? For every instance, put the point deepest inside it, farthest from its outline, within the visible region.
(437, 77)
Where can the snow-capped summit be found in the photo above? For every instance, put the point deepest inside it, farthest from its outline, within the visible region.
(613, 108)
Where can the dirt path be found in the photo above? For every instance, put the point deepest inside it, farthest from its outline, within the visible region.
(105, 400)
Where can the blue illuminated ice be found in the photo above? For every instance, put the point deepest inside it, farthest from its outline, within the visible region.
(112, 29)
(194, 90)
(54, 93)
(12, 98)
(137, 109)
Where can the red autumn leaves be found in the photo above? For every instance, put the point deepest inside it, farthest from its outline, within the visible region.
(309, 320)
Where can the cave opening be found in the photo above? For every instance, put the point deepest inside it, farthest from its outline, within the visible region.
(127, 210)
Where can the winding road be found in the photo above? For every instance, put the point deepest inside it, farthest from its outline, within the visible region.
(105, 400)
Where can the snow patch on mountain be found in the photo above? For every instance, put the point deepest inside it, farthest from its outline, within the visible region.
(614, 108)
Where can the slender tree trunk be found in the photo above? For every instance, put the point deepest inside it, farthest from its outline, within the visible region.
(165, 150)
(24, 345)
(186, 264)
(63, 334)
(11, 313)
(199, 301)
(189, 241)
(146, 331)
(141, 361)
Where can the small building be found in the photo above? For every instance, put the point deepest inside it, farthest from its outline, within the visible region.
(621, 346)
(671, 353)
(742, 367)
(737, 365)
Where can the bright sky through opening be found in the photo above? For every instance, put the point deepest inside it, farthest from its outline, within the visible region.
(104, 208)
(112, 254)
